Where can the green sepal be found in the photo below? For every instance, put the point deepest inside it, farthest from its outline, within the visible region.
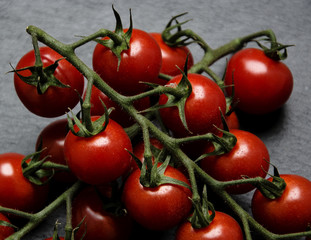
(176, 99)
(7, 224)
(34, 171)
(201, 216)
(97, 126)
(118, 47)
(157, 177)
(272, 189)
(222, 145)
(277, 51)
(173, 40)
(41, 77)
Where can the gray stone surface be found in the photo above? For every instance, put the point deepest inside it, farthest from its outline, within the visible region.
(286, 134)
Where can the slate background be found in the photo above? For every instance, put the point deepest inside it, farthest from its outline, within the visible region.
(286, 132)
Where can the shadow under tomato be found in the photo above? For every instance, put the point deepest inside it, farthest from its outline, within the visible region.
(261, 123)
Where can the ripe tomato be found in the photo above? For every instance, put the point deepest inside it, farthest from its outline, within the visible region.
(52, 137)
(55, 101)
(202, 108)
(15, 190)
(158, 208)
(289, 213)
(233, 121)
(100, 224)
(140, 63)
(101, 158)
(51, 238)
(261, 84)
(117, 114)
(249, 157)
(5, 231)
(172, 57)
(222, 227)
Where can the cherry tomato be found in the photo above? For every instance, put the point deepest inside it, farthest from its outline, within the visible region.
(140, 63)
(172, 58)
(261, 84)
(158, 208)
(249, 157)
(55, 101)
(117, 114)
(15, 190)
(202, 108)
(52, 137)
(233, 121)
(4, 230)
(289, 213)
(222, 227)
(101, 158)
(100, 224)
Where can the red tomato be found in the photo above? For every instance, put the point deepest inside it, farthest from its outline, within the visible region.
(172, 57)
(140, 63)
(15, 190)
(101, 158)
(5, 231)
(100, 224)
(52, 137)
(233, 121)
(223, 227)
(249, 157)
(202, 108)
(158, 208)
(261, 84)
(117, 114)
(55, 101)
(289, 213)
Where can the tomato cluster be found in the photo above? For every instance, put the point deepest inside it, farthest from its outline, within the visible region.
(125, 184)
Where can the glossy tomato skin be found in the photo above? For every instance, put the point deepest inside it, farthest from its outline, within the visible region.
(249, 157)
(159, 208)
(55, 101)
(52, 139)
(261, 84)
(5, 231)
(15, 190)
(101, 158)
(289, 213)
(223, 227)
(121, 117)
(100, 224)
(202, 108)
(140, 63)
(172, 58)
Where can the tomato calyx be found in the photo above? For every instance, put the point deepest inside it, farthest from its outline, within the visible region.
(273, 189)
(277, 51)
(204, 212)
(34, 171)
(118, 47)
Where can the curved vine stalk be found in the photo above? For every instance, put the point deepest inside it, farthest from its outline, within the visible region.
(147, 127)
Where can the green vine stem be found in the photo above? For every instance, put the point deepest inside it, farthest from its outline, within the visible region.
(149, 128)
(36, 218)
